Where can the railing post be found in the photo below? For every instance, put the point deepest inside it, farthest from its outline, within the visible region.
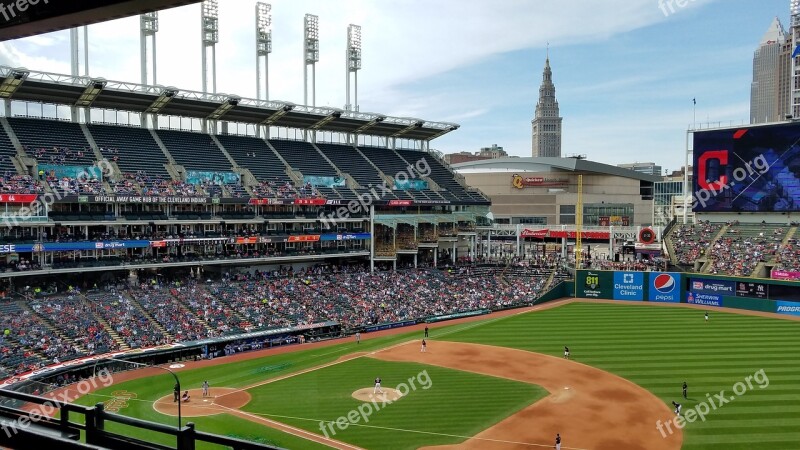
(94, 424)
(186, 437)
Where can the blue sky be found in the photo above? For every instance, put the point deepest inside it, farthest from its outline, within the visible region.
(625, 72)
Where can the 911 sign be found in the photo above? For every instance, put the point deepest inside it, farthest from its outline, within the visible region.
(752, 290)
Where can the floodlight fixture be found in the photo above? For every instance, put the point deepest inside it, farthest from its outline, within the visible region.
(353, 64)
(310, 55)
(93, 89)
(209, 33)
(167, 94)
(148, 27)
(12, 82)
(263, 47)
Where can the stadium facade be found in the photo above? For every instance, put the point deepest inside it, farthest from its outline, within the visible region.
(354, 185)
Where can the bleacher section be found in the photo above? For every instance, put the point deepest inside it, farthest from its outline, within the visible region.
(132, 148)
(441, 175)
(53, 141)
(304, 157)
(253, 153)
(194, 151)
(389, 163)
(7, 151)
(348, 160)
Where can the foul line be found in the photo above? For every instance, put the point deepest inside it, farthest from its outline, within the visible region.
(502, 441)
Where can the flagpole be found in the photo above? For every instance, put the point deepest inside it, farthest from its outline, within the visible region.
(694, 113)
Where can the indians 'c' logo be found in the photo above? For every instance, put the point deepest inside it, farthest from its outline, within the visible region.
(516, 181)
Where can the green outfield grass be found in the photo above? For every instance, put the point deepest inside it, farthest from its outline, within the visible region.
(660, 348)
(455, 403)
(657, 348)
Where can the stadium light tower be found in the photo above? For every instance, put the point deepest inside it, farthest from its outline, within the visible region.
(148, 29)
(310, 56)
(263, 46)
(353, 63)
(209, 31)
(76, 45)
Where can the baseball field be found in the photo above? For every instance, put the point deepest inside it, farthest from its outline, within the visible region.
(503, 383)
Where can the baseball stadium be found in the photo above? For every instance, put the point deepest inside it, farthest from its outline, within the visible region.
(292, 276)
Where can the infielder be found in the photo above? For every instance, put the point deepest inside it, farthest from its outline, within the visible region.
(566, 352)
(677, 408)
(422, 350)
(377, 388)
(558, 441)
(205, 388)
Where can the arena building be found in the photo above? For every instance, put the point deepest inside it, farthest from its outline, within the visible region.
(544, 191)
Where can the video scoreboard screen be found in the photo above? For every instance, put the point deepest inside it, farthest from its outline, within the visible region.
(754, 169)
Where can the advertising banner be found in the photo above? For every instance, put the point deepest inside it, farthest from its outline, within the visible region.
(628, 286)
(789, 308)
(785, 275)
(72, 172)
(703, 299)
(716, 287)
(218, 178)
(410, 185)
(71, 246)
(595, 284)
(316, 180)
(664, 287)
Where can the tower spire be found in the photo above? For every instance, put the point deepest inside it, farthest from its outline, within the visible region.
(546, 123)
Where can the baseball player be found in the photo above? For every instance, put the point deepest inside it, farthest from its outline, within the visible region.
(566, 352)
(377, 388)
(677, 408)
(558, 441)
(424, 344)
(358, 337)
(684, 389)
(706, 316)
(426, 331)
(205, 388)
(176, 392)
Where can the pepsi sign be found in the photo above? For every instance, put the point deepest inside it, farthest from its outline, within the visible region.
(664, 287)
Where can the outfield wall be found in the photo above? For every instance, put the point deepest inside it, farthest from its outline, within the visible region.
(755, 294)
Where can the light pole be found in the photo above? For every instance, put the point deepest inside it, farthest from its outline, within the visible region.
(177, 381)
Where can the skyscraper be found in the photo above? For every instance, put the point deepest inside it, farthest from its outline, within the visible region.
(769, 91)
(794, 11)
(546, 124)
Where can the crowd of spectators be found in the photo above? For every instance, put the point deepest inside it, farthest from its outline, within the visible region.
(154, 311)
(740, 250)
(154, 186)
(71, 186)
(691, 241)
(57, 155)
(788, 257)
(274, 189)
(19, 184)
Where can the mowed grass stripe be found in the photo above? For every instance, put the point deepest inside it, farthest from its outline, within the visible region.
(658, 348)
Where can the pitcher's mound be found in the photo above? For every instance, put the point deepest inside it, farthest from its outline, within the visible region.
(367, 395)
(219, 401)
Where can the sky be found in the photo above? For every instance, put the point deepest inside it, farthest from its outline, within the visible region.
(625, 71)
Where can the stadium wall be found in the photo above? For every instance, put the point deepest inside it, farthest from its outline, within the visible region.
(765, 295)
